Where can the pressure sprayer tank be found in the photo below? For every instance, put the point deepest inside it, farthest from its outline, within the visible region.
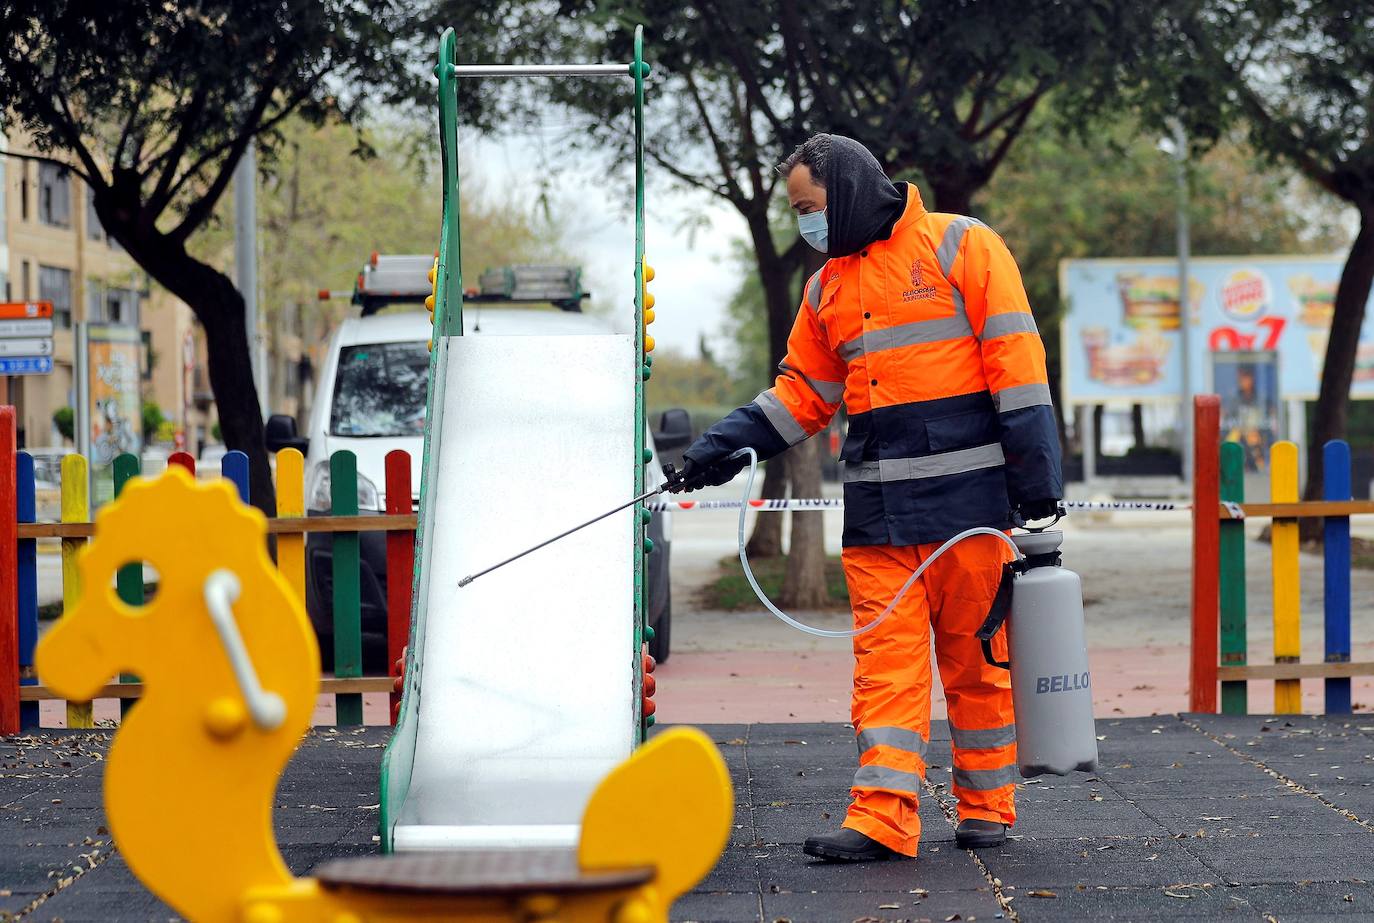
(1049, 663)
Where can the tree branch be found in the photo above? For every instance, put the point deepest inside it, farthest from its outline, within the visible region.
(727, 170)
(69, 128)
(162, 192)
(695, 182)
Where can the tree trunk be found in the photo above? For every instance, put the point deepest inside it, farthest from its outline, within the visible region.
(766, 539)
(776, 276)
(1137, 426)
(219, 307)
(1339, 368)
(804, 585)
(952, 197)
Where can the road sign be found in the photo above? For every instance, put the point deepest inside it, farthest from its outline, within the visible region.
(39, 327)
(26, 347)
(26, 365)
(21, 310)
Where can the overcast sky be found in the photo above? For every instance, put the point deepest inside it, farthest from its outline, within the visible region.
(695, 272)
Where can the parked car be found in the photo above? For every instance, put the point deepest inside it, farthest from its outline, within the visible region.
(372, 390)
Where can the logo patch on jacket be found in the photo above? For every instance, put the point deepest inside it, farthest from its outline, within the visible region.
(921, 290)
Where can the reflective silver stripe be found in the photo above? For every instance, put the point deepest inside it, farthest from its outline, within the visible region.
(1000, 325)
(949, 244)
(921, 331)
(927, 466)
(828, 391)
(781, 418)
(985, 739)
(984, 780)
(1021, 396)
(813, 290)
(899, 738)
(892, 780)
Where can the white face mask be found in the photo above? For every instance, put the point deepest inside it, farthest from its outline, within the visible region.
(814, 230)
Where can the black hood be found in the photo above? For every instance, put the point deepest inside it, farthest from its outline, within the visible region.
(861, 203)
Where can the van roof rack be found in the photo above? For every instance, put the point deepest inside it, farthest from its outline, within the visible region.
(404, 279)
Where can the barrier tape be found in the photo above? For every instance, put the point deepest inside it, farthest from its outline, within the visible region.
(837, 503)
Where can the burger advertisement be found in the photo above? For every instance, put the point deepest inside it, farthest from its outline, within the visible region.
(1122, 338)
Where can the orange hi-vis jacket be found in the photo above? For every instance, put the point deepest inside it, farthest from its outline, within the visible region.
(928, 339)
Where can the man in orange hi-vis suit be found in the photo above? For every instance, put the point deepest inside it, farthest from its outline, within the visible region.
(919, 323)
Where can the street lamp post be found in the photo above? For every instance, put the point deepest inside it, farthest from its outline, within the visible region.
(1185, 325)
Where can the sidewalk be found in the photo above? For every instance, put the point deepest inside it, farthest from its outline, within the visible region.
(1189, 817)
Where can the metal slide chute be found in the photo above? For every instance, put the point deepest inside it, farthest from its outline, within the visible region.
(524, 689)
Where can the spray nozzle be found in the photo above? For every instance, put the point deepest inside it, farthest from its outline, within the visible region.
(674, 480)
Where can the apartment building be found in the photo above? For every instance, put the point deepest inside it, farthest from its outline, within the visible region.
(53, 248)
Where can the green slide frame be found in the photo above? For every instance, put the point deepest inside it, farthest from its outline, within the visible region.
(398, 760)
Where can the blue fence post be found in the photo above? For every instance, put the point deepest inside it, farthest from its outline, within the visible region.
(26, 581)
(234, 467)
(1336, 585)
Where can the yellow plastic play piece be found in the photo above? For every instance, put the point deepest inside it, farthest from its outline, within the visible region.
(198, 760)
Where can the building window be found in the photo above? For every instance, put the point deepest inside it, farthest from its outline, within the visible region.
(54, 195)
(24, 191)
(55, 285)
(3, 221)
(24, 284)
(110, 305)
(94, 229)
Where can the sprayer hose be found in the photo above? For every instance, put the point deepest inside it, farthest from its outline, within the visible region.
(850, 633)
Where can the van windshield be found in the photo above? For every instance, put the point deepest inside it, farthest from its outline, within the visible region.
(380, 390)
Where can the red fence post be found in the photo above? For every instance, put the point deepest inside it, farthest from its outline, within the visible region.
(183, 460)
(9, 574)
(400, 564)
(1202, 675)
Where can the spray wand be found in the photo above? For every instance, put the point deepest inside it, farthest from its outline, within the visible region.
(673, 479)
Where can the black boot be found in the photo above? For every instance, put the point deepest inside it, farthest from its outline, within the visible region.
(979, 834)
(846, 845)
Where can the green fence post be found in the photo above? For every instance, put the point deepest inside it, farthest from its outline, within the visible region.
(1232, 556)
(129, 580)
(348, 628)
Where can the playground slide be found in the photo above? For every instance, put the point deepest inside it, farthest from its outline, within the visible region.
(522, 689)
(527, 691)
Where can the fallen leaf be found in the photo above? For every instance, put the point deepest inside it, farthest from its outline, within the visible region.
(1185, 897)
(919, 892)
(1041, 892)
(889, 906)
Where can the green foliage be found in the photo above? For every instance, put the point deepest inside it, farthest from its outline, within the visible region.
(731, 592)
(215, 432)
(64, 418)
(152, 420)
(682, 381)
(322, 210)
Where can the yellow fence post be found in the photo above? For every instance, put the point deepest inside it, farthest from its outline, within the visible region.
(291, 503)
(76, 507)
(1283, 488)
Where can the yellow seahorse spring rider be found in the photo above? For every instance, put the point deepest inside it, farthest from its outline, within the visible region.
(230, 668)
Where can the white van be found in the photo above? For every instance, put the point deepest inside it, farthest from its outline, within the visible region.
(371, 401)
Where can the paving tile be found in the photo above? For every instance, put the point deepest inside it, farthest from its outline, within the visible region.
(828, 907)
(716, 907)
(939, 867)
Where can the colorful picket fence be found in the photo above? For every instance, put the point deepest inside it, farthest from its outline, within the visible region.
(1219, 607)
(20, 533)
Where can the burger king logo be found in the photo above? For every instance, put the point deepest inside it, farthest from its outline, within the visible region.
(1245, 295)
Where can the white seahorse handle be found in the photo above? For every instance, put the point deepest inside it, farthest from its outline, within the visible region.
(266, 708)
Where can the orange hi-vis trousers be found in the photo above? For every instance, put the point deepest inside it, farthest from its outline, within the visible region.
(892, 679)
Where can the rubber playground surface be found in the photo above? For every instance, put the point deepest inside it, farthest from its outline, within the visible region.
(1245, 818)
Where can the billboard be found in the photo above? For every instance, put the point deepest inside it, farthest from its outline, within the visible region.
(109, 412)
(1120, 335)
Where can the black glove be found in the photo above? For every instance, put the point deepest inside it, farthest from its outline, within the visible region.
(1035, 510)
(696, 475)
